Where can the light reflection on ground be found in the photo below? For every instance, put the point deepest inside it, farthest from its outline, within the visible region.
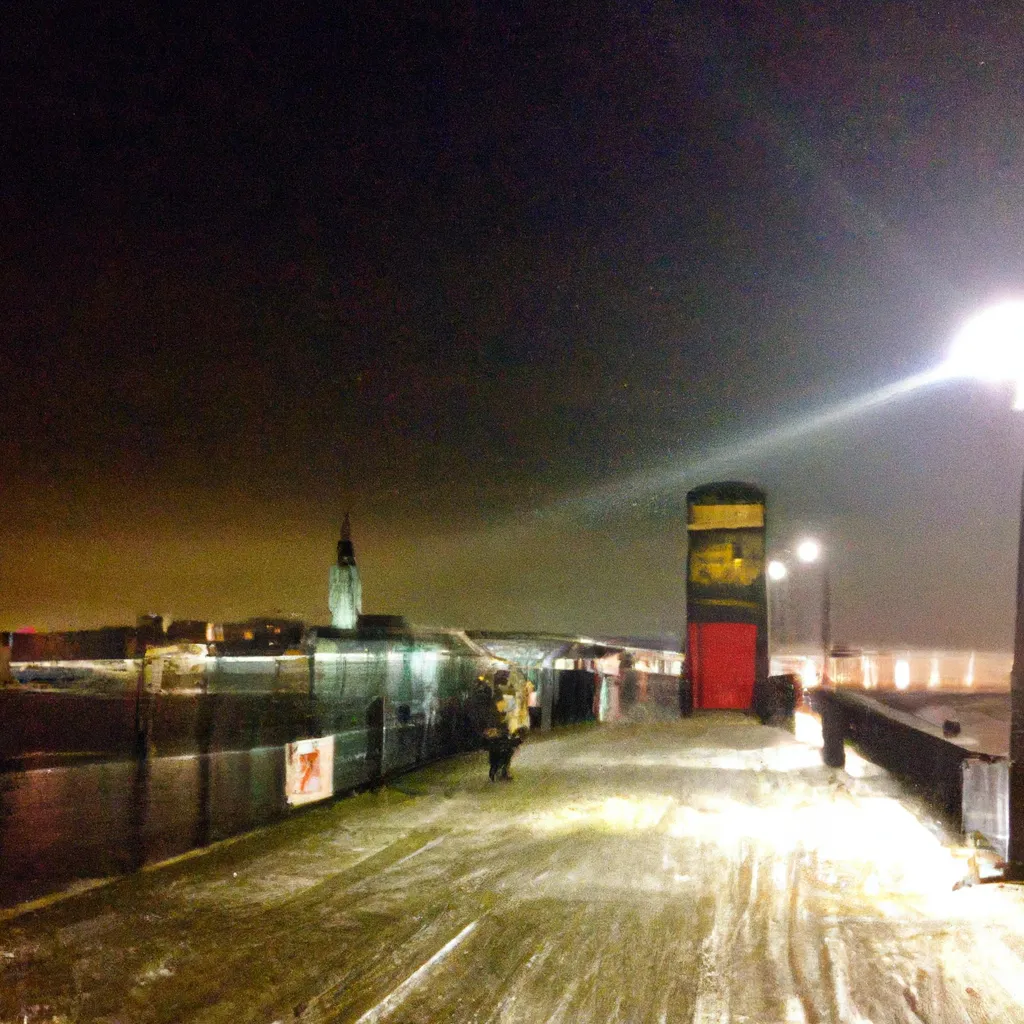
(705, 870)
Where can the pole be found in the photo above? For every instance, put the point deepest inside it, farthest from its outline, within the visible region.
(826, 622)
(1015, 855)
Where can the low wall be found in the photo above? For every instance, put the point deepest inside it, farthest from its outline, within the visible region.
(897, 742)
(81, 817)
(111, 763)
(82, 821)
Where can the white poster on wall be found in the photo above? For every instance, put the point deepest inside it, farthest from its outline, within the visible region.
(309, 770)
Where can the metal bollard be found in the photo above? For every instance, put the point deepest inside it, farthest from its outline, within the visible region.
(833, 731)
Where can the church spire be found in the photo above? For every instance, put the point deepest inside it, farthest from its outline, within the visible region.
(346, 552)
(345, 595)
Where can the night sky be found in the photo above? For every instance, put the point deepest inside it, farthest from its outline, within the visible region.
(497, 278)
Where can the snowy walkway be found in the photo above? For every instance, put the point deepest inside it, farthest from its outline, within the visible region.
(708, 870)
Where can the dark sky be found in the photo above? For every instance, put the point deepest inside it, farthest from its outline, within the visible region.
(489, 275)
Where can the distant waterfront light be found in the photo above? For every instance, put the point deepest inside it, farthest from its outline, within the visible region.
(867, 672)
(901, 674)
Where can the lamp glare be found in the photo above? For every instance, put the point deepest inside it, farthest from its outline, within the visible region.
(808, 550)
(990, 347)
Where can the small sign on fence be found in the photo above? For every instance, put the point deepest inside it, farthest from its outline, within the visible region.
(309, 770)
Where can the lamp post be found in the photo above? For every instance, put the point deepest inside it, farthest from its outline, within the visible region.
(809, 551)
(990, 346)
(1015, 843)
(776, 571)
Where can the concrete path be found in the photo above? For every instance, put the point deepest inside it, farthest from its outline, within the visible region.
(708, 870)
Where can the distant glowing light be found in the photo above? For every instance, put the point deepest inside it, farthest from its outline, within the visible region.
(990, 346)
(867, 670)
(901, 674)
(969, 675)
(808, 674)
(777, 570)
(933, 674)
(808, 550)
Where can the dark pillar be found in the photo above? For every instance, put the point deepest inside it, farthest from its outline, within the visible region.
(833, 730)
(140, 790)
(826, 623)
(547, 698)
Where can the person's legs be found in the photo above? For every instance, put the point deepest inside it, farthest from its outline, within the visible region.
(510, 748)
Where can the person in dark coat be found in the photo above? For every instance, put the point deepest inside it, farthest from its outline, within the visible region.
(488, 723)
(510, 732)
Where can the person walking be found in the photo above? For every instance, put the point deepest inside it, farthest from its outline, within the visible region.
(512, 693)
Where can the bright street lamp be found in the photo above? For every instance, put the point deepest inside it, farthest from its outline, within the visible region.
(808, 550)
(990, 346)
(777, 570)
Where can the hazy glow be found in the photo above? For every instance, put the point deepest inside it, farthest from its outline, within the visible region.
(780, 757)
(808, 674)
(990, 346)
(808, 550)
(895, 855)
(807, 729)
(969, 676)
(933, 674)
(777, 570)
(617, 814)
(867, 669)
(901, 674)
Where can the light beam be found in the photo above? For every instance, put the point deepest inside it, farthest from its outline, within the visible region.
(671, 476)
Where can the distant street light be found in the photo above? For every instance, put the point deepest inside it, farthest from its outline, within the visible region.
(809, 551)
(990, 346)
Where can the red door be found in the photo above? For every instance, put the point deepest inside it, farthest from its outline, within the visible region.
(722, 661)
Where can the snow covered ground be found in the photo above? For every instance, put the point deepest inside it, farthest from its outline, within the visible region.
(706, 870)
